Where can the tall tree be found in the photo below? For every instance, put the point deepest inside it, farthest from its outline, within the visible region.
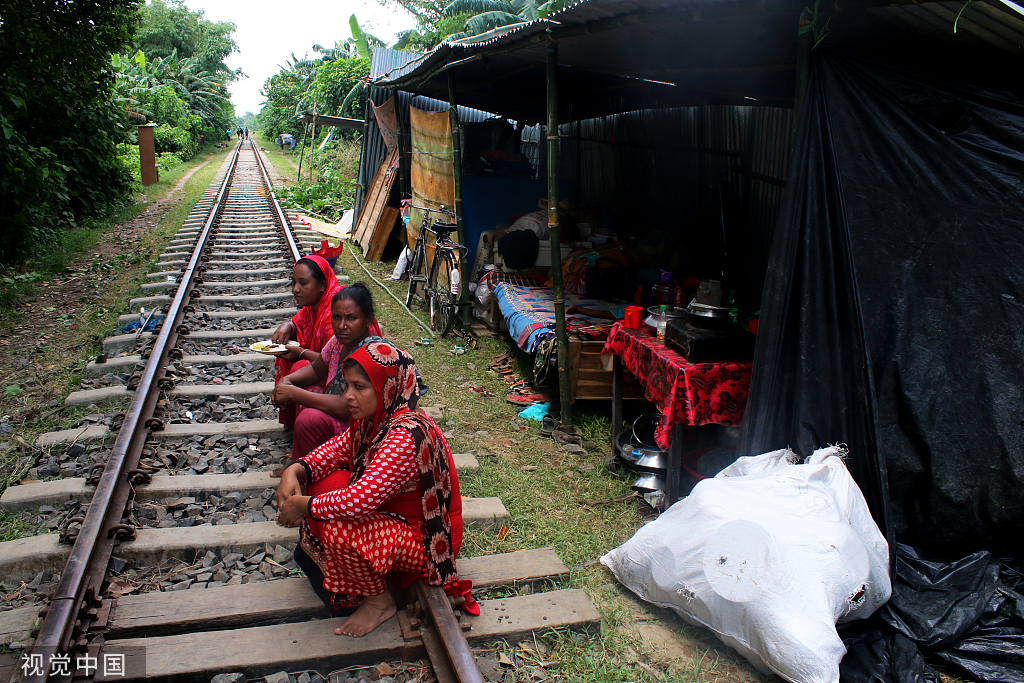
(172, 28)
(58, 118)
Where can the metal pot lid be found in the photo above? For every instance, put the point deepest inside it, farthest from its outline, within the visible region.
(706, 311)
(672, 312)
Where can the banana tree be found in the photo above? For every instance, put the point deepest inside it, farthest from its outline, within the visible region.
(490, 18)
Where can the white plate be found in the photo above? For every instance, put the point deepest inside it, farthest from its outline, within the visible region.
(269, 348)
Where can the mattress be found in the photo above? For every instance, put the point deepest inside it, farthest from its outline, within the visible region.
(530, 314)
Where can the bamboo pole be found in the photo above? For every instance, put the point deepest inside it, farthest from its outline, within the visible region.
(302, 152)
(312, 146)
(555, 232)
(453, 116)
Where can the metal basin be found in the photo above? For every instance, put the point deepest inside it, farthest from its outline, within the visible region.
(643, 429)
(649, 483)
(648, 460)
(624, 446)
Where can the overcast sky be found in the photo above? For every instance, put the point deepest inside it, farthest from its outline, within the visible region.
(270, 31)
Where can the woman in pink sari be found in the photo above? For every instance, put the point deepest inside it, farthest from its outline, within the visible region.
(314, 284)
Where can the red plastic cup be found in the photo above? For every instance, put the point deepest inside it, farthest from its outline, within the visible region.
(634, 314)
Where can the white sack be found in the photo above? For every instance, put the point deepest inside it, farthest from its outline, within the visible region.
(770, 556)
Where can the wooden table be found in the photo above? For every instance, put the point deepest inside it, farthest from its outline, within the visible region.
(687, 394)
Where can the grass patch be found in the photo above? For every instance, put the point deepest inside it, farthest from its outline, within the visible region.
(13, 527)
(285, 163)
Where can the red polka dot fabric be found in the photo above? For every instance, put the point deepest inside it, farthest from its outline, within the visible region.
(392, 469)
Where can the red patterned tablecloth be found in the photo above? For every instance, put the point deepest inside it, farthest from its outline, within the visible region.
(687, 393)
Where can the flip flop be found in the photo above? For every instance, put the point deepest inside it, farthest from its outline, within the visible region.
(548, 425)
(564, 439)
(528, 399)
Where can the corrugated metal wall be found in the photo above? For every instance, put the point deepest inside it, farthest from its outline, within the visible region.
(709, 178)
(374, 151)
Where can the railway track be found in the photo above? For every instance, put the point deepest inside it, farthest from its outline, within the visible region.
(169, 560)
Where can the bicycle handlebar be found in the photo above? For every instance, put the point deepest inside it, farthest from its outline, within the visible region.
(442, 209)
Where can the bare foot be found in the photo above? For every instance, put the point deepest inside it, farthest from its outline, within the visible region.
(375, 610)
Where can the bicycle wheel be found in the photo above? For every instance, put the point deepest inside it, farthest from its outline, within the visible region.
(443, 290)
(414, 270)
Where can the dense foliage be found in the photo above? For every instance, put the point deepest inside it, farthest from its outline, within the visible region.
(58, 158)
(334, 83)
(171, 28)
(73, 86)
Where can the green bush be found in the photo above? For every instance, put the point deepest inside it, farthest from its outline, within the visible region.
(165, 161)
(58, 130)
(175, 140)
(327, 199)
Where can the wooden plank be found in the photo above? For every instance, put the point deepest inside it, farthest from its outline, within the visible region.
(575, 346)
(373, 219)
(381, 233)
(268, 602)
(15, 624)
(380, 188)
(262, 650)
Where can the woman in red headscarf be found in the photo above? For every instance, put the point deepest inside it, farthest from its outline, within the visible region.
(382, 498)
(313, 285)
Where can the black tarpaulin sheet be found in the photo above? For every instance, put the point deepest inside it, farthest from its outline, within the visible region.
(893, 311)
(968, 613)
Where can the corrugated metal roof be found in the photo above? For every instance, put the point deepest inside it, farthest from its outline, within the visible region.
(385, 60)
(626, 38)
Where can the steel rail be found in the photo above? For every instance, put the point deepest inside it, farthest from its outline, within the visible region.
(460, 663)
(285, 224)
(73, 606)
(71, 600)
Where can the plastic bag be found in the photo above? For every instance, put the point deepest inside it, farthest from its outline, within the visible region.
(968, 612)
(769, 555)
(536, 412)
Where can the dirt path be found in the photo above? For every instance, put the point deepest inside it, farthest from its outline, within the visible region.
(57, 327)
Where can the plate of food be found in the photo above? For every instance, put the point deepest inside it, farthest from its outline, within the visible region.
(271, 348)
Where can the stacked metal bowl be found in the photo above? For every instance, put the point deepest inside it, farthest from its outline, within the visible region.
(638, 451)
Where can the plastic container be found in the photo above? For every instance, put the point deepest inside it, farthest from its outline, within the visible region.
(662, 322)
(667, 292)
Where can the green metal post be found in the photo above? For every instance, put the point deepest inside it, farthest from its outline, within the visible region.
(564, 390)
(453, 117)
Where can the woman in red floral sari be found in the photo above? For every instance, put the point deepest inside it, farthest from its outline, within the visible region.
(382, 499)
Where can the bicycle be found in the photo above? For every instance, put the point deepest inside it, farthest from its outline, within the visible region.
(441, 286)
